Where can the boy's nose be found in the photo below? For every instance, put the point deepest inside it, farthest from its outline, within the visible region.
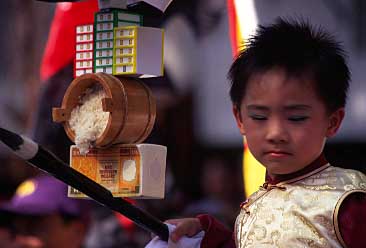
(277, 132)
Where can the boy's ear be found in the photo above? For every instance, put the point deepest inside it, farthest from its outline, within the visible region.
(238, 119)
(335, 121)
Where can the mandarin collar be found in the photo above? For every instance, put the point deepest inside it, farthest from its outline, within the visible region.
(317, 163)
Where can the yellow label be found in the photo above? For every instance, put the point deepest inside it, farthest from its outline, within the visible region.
(116, 168)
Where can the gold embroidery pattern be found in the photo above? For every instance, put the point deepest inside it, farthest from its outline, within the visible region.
(298, 212)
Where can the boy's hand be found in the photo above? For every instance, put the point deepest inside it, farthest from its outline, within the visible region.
(184, 227)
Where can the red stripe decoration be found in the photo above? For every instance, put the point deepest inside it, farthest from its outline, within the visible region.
(233, 27)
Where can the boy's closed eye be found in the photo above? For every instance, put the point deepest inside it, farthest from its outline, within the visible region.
(293, 118)
(258, 117)
(297, 118)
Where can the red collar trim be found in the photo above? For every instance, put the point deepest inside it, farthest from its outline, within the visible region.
(317, 163)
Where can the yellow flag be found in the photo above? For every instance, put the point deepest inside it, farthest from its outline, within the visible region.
(253, 172)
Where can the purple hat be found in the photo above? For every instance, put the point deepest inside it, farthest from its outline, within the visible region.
(42, 196)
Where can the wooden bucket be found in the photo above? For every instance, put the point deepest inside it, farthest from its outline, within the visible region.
(131, 105)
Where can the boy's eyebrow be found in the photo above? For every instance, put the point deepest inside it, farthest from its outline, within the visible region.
(297, 107)
(257, 107)
(287, 107)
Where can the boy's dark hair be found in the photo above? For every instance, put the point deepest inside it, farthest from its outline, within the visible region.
(299, 49)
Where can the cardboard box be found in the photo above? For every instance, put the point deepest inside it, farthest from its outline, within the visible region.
(133, 170)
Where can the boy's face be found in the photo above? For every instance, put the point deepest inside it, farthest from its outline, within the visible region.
(284, 121)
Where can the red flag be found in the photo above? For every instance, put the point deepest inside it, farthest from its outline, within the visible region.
(60, 48)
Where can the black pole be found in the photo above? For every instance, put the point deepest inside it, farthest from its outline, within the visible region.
(47, 161)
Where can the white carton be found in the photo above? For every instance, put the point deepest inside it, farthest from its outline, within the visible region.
(132, 170)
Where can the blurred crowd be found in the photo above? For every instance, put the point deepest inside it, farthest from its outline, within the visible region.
(34, 209)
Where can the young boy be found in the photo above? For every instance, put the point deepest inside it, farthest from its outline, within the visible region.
(288, 89)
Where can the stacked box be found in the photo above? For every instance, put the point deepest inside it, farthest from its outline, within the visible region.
(83, 62)
(104, 23)
(130, 170)
(138, 51)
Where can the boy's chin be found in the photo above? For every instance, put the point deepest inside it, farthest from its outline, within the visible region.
(281, 169)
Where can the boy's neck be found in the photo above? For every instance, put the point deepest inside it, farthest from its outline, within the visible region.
(274, 179)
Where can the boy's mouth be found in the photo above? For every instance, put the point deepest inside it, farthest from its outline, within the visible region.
(277, 153)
